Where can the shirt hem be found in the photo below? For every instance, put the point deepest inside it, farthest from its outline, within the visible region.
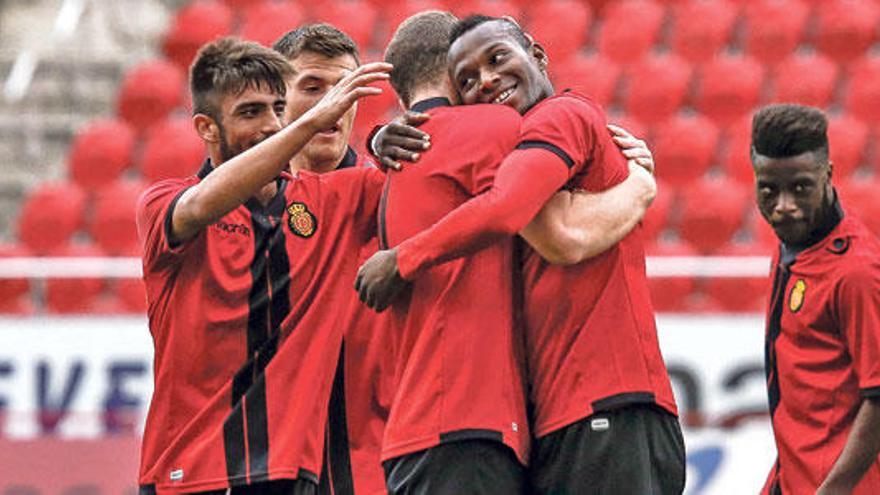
(412, 446)
(221, 483)
(557, 422)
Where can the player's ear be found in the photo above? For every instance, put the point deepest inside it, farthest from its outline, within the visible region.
(206, 127)
(536, 50)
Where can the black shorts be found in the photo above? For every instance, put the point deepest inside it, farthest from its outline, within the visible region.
(463, 467)
(278, 487)
(637, 449)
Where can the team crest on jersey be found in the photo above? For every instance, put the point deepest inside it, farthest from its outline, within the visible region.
(797, 296)
(300, 220)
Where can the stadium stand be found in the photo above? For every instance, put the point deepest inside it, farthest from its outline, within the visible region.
(684, 74)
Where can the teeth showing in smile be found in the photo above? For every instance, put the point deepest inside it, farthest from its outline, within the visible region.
(503, 96)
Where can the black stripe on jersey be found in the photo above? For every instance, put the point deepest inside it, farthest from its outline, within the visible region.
(383, 204)
(338, 447)
(268, 305)
(774, 329)
(147, 490)
(624, 399)
(471, 434)
(556, 150)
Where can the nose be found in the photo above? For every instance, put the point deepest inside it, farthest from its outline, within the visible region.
(273, 123)
(785, 204)
(489, 81)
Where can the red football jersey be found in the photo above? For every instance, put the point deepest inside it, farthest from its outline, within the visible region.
(591, 336)
(823, 354)
(241, 396)
(458, 357)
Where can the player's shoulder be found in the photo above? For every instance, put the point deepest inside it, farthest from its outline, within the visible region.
(854, 251)
(570, 102)
(484, 115)
(163, 188)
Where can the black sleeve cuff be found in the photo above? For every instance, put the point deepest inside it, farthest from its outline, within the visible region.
(556, 150)
(370, 137)
(169, 225)
(870, 393)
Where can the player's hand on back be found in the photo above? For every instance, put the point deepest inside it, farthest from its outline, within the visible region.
(400, 140)
(378, 281)
(340, 98)
(634, 149)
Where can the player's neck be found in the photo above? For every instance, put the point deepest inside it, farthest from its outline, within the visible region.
(439, 90)
(301, 162)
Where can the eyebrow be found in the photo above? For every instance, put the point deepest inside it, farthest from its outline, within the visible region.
(250, 105)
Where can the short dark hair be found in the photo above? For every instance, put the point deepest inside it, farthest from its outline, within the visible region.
(472, 21)
(320, 38)
(418, 51)
(787, 130)
(231, 65)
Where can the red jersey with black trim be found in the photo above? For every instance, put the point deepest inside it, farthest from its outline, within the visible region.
(363, 391)
(591, 336)
(245, 350)
(459, 361)
(822, 354)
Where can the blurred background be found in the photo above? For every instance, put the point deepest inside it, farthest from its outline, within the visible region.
(94, 107)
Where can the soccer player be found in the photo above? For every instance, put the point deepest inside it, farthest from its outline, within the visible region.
(604, 414)
(321, 55)
(233, 262)
(458, 419)
(822, 351)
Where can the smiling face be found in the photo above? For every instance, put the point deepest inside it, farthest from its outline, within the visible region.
(248, 118)
(489, 65)
(793, 194)
(314, 75)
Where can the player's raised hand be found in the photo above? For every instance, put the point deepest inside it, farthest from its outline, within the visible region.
(634, 149)
(345, 93)
(401, 140)
(378, 281)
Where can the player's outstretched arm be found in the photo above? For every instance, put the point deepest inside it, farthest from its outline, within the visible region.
(231, 184)
(524, 183)
(860, 451)
(576, 226)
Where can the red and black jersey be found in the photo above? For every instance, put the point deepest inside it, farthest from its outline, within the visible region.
(591, 336)
(458, 358)
(822, 353)
(240, 395)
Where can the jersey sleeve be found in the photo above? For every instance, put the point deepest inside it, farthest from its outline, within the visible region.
(858, 311)
(501, 131)
(567, 127)
(364, 188)
(153, 217)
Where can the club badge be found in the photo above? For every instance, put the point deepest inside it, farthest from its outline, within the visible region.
(301, 221)
(797, 296)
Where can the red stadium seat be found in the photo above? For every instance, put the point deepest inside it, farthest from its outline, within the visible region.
(630, 29)
(658, 86)
(101, 152)
(356, 18)
(671, 294)
(149, 92)
(684, 149)
(631, 124)
(193, 26)
(242, 4)
(847, 28)
(657, 217)
(863, 94)
(560, 26)
(172, 149)
(806, 79)
(702, 28)
(593, 75)
(774, 28)
(15, 293)
(730, 86)
(112, 224)
(735, 152)
(741, 294)
(494, 8)
(74, 295)
(266, 21)
(848, 140)
(860, 197)
(712, 212)
(131, 295)
(761, 231)
(50, 215)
